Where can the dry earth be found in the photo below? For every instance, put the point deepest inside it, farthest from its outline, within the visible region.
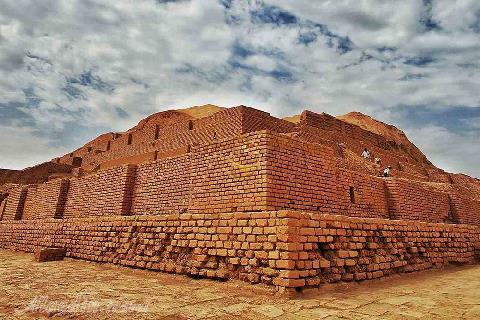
(73, 289)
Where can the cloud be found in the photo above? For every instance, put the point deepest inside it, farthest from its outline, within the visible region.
(29, 149)
(447, 135)
(88, 65)
(449, 150)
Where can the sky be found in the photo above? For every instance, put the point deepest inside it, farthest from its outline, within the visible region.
(73, 69)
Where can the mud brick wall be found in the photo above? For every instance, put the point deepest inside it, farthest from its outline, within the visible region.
(147, 138)
(300, 175)
(287, 249)
(437, 175)
(364, 195)
(320, 127)
(303, 176)
(15, 202)
(413, 200)
(105, 193)
(247, 246)
(256, 120)
(328, 248)
(46, 200)
(162, 186)
(37, 174)
(224, 176)
(230, 175)
(223, 124)
(464, 210)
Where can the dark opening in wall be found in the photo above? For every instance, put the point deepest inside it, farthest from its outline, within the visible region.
(155, 156)
(352, 194)
(90, 149)
(71, 155)
(129, 139)
(215, 135)
(3, 204)
(108, 146)
(157, 131)
(21, 205)
(190, 125)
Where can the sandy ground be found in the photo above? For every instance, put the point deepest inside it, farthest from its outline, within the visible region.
(73, 289)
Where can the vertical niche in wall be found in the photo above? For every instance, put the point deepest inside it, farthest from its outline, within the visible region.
(3, 204)
(351, 192)
(157, 132)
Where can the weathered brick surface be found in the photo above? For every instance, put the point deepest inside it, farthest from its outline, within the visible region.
(105, 193)
(15, 202)
(224, 176)
(49, 254)
(36, 174)
(413, 200)
(234, 245)
(303, 176)
(256, 171)
(464, 210)
(333, 248)
(46, 200)
(230, 175)
(163, 134)
(256, 120)
(162, 186)
(284, 248)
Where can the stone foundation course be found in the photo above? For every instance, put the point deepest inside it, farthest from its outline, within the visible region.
(287, 249)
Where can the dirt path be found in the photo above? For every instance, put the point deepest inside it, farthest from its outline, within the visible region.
(74, 289)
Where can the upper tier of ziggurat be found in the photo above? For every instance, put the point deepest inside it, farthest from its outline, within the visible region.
(238, 193)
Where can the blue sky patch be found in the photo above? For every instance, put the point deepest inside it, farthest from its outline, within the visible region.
(273, 15)
(452, 118)
(88, 79)
(420, 61)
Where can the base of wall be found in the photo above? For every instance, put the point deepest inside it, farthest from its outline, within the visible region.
(286, 249)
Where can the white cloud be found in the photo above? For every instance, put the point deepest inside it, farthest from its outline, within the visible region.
(146, 56)
(21, 148)
(448, 150)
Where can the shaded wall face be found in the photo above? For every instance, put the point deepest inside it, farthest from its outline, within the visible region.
(13, 208)
(105, 193)
(412, 200)
(406, 160)
(162, 186)
(3, 202)
(45, 200)
(464, 210)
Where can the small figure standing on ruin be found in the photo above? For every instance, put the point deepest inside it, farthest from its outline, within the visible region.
(377, 161)
(366, 154)
(386, 172)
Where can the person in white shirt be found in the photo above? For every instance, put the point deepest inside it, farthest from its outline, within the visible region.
(386, 172)
(366, 154)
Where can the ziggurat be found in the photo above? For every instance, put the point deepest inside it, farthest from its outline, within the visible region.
(239, 194)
